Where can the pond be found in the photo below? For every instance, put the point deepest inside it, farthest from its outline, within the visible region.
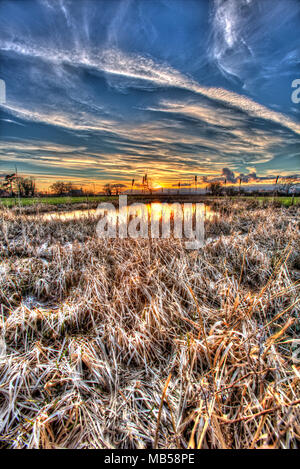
(154, 211)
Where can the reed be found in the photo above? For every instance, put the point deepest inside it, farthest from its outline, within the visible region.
(135, 344)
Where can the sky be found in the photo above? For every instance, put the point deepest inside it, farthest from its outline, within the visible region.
(104, 91)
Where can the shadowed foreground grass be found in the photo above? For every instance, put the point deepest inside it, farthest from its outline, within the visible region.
(137, 344)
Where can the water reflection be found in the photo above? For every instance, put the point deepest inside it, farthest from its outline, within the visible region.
(71, 215)
(154, 210)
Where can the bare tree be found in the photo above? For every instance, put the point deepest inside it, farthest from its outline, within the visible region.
(9, 183)
(61, 188)
(26, 187)
(117, 188)
(107, 189)
(215, 188)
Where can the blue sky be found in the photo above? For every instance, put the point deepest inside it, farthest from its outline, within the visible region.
(106, 90)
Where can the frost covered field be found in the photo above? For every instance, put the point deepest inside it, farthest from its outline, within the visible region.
(142, 343)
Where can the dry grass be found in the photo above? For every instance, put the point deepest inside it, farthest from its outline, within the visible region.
(136, 344)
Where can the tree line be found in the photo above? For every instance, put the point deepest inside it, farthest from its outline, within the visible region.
(15, 185)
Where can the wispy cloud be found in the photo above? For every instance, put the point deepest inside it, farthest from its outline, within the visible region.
(121, 87)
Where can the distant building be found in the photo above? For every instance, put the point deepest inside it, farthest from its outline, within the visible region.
(76, 192)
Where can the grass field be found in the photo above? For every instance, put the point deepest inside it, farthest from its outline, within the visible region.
(286, 201)
(24, 202)
(143, 344)
(11, 201)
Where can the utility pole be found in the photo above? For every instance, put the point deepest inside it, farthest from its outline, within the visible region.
(275, 189)
(17, 182)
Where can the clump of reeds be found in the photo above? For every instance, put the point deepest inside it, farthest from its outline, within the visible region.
(140, 344)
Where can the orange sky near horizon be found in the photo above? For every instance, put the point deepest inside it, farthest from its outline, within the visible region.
(44, 183)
